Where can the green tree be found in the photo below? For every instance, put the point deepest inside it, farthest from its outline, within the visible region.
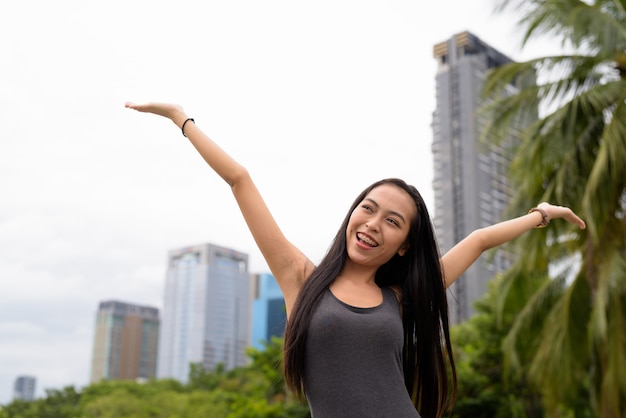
(19, 409)
(256, 390)
(199, 378)
(571, 150)
(268, 362)
(63, 403)
(124, 398)
(483, 391)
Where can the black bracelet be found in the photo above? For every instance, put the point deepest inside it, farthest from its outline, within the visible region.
(182, 128)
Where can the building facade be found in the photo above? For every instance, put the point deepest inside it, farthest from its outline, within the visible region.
(24, 388)
(268, 310)
(470, 178)
(206, 310)
(125, 342)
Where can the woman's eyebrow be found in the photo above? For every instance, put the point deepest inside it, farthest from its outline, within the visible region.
(399, 215)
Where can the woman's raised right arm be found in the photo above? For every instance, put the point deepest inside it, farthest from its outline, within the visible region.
(287, 263)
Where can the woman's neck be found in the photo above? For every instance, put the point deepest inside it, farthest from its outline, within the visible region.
(357, 274)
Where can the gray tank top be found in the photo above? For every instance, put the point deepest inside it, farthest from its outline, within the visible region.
(353, 361)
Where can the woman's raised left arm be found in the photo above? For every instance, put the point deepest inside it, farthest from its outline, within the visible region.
(465, 253)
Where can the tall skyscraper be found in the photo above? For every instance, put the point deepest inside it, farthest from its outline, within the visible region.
(206, 310)
(125, 342)
(268, 310)
(24, 388)
(470, 179)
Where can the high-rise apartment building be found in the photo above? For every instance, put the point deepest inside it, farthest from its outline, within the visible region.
(268, 310)
(125, 342)
(24, 388)
(470, 179)
(206, 310)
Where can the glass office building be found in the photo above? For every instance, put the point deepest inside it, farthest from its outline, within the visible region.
(125, 342)
(206, 310)
(24, 388)
(268, 310)
(470, 179)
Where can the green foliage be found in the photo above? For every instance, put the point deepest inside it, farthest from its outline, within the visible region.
(269, 362)
(253, 391)
(569, 119)
(201, 379)
(57, 404)
(483, 391)
(156, 398)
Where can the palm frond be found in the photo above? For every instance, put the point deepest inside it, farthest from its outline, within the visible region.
(560, 362)
(514, 288)
(563, 78)
(610, 167)
(525, 331)
(589, 26)
(608, 322)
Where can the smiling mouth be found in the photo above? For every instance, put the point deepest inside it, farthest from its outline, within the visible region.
(366, 239)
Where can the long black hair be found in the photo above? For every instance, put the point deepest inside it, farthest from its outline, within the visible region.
(427, 353)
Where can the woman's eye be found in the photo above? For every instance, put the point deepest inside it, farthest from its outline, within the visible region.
(367, 207)
(393, 221)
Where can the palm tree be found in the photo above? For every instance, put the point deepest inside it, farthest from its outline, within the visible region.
(569, 119)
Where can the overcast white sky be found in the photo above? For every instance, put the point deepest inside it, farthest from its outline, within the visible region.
(317, 98)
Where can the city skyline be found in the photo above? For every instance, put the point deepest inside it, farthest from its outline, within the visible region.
(316, 99)
(126, 334)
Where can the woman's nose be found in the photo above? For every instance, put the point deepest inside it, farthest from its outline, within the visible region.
(373, 224)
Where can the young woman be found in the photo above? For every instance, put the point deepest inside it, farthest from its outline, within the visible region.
(367, 330)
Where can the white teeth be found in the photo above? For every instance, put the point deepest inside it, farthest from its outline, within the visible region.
(366, 239)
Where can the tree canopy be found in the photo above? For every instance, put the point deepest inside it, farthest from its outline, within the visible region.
(568, 116)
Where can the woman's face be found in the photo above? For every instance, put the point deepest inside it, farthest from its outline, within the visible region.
(379, 226)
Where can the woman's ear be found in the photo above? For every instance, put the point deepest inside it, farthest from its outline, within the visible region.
(403, 249)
